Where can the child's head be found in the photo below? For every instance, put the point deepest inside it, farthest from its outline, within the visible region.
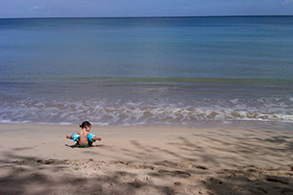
(86, 125)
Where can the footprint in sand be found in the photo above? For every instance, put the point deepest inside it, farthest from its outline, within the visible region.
(176, 173)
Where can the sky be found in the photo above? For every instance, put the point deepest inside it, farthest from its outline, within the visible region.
(141, 8)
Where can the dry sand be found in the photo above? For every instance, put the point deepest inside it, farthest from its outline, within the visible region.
(37, 159)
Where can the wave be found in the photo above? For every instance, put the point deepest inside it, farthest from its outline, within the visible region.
(128, 113)
(181, 80)
(111, 80)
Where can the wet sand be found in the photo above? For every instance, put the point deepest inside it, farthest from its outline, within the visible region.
(145, 160)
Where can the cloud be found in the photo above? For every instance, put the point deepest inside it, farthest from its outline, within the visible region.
(36, 7)
(284, 2)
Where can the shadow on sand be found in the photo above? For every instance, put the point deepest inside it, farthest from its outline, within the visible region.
(32, 175)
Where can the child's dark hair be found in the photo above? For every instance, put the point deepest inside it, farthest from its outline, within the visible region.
(85, 124)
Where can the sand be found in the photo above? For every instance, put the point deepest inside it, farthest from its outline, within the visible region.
(38, 159)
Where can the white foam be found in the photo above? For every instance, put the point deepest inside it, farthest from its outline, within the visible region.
(234, 101)
(103, 112)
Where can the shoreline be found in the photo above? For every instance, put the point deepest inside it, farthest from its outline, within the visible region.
(204, 124)
(145, 160)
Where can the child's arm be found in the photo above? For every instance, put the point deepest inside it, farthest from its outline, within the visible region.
(73, 136)
(97, 138)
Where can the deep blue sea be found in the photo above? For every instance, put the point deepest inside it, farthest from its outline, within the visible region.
(186, 71)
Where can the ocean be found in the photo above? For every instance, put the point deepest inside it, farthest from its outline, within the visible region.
(183, 71)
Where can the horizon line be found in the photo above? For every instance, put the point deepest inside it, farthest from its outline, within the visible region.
(117, 17)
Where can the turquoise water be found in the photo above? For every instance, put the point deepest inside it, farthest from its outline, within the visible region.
(148, 71)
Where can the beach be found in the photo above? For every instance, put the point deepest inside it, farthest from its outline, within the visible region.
(184, 105)
(38, 159)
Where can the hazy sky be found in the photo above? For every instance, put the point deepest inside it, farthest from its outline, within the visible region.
(125, 8)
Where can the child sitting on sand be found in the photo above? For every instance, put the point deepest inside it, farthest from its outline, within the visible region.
(84, 138)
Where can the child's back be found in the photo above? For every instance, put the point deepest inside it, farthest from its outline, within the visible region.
(83, 140)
